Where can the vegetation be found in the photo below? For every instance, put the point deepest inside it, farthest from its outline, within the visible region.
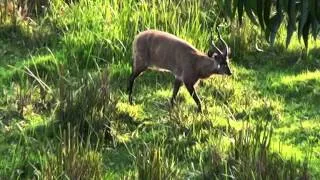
(270, 14)
(64, 111)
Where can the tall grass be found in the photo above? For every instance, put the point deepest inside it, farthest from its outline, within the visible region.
(72, 158)
(153, 164)
(107, 28)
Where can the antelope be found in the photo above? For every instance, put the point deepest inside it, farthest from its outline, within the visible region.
(153, 49)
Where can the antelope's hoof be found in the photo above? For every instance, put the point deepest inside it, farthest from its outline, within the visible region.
(130, 101)
(172, 103)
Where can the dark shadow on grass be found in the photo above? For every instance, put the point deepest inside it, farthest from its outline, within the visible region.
(148, 78)
(18, 35)
(17, 48)
(279, 59)
(276, 54)
(300, 92)
(301, 98)
(145, 87)
(268, 68)
(306, 136)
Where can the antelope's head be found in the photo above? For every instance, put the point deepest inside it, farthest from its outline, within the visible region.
(220, 56)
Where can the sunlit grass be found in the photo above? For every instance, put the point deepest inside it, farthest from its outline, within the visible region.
(305, 76)
(134, 111)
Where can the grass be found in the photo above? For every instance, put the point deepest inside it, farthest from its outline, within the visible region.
(64, 104)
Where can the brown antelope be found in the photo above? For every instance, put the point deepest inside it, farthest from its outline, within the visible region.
(159, 50)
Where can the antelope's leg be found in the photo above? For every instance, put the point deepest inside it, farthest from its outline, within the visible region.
(176, 86)
(133, 76)
(194, 95)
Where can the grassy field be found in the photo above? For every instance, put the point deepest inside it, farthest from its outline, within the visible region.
(64, 110)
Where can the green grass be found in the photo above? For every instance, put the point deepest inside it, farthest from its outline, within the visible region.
(64, 104)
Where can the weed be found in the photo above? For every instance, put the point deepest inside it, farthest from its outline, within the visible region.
(153, 164)
(72, 158)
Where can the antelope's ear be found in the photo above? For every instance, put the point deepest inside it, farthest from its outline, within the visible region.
(215, 56)
(210, 53)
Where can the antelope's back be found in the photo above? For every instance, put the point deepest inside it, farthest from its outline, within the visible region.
(161, 50)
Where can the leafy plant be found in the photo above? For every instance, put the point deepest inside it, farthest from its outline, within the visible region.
(300, 15)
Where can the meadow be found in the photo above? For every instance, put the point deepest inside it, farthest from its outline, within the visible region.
(64, 110)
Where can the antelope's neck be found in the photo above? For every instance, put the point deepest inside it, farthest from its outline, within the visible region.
(206, 67)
